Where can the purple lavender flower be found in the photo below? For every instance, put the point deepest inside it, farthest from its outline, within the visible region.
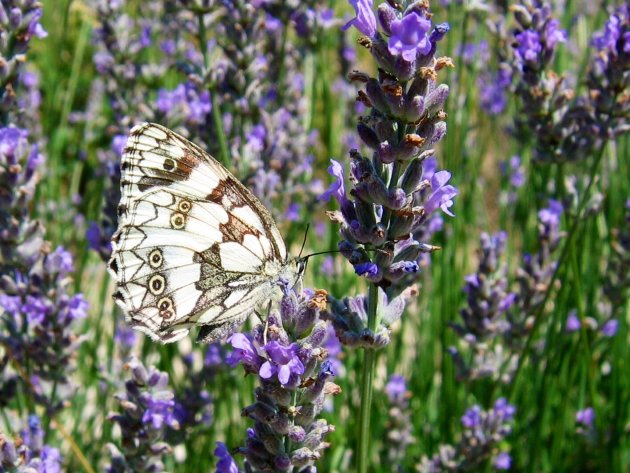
(585, 416)
(607, 39)
(484, 431)
(226, 463)
(399, 426)
(610, 327)
(560, 125)
(147, 411)
(553, 34)
(573, 322)
(283, 362)
(514, 169)
(349, 318)
(295, 370)
(396, 387)
(493, 90)
(472, 417)
(39, 337)
(244, 353)
(392, 198)
(529, 46)
(409, 36)
(28, 452)
(442, 194)
(503, 461)
(365, 20)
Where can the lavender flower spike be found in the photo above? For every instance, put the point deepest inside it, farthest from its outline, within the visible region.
(484, 432)
(289, 357)
(148, 410)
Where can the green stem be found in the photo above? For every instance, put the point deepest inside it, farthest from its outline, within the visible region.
(561, 260)
(369, 363)
(224, 156)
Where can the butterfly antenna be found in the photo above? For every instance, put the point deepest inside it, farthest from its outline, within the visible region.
(308, 226)
(329, 252)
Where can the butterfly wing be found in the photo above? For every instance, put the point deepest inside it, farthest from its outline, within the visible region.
(193, 245)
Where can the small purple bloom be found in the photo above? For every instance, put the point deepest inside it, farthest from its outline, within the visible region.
(51, 460)
(442, 194)
(118, 144)
(226, 463)
(36, 310)
(244, 352)
(365, 20)
(608, 38)
(585, 416)
(256, 138)
(283, 361)
(472, 417)
(507, 302)
(396, 387)
(292, 213)
(34, 26)
(213, 356)
(609, 329)
(409, 37)
(10, 304)
(366, 269)
(529, 46)
(59, 261)
(103, 62)
(551, 215)
(159, 412)
(504, 410)
(573, 322)
(125, 336)
(272, 23)
(503, 461)
(554, 35)
(168, 46)
(515, 171)
(337, 188)
(77, 308)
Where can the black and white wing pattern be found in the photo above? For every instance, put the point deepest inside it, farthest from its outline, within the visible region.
(194, 246)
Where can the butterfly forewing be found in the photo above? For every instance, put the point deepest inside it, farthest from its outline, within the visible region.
(193, 245)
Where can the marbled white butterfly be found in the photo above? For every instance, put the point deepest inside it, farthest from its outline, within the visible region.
(193, 245)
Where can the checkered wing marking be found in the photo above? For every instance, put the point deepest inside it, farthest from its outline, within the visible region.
(193, 246)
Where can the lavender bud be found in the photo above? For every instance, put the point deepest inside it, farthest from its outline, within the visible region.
(436, 99)
(378, 99)
(386, 15)
(414, 109)
(297, 434)
(413, 174)
(368, 136)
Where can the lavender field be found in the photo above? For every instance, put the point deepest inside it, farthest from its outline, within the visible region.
(463, 167)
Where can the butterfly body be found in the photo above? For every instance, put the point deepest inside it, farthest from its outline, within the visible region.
(194, 246)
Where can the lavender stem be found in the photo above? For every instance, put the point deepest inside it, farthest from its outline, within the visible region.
(224, 157)
(563, 255)
(369, 363)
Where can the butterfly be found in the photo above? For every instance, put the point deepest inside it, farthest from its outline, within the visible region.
(193, 246)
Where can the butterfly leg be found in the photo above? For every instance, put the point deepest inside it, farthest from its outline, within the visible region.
(265, 321)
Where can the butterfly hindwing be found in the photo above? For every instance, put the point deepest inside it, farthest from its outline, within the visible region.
(193, 246)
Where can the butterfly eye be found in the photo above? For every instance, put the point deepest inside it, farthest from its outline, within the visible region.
(155, 258)
(184, 206)
(177, 221)
(157, 284)
(301, 267)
